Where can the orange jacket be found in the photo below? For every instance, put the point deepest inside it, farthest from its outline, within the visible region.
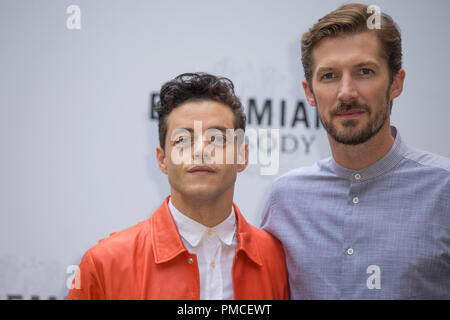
(149, 261)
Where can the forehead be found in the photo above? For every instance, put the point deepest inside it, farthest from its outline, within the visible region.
(210, 113)
(348, 50)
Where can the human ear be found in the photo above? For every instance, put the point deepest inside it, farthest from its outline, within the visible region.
(161, 158)
(242, 157)
(308, 93)
(397, 84)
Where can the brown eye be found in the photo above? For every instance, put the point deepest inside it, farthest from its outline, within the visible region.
(182, 140)
(219, 140)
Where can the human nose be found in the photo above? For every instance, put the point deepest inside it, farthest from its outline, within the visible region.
(199, 149)
(347, 90)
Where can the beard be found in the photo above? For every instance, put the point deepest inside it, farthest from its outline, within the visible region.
(353, 135)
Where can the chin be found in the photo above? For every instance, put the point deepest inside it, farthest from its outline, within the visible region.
(203, 192)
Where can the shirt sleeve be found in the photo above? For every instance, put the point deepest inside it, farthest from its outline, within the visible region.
(266, 215)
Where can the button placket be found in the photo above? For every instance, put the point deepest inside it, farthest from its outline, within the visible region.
(356, 178)
(353, 213)
(212, 247)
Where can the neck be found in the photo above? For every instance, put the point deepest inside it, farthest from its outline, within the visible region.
(207, 211)
(357, 157)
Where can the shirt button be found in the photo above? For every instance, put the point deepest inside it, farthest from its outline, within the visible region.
(350, 251)
(357, 176)
(190, 260)
(355, 200)
(213, 264)
(210, 233)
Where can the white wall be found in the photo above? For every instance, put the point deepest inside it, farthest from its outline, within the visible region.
(76, 141)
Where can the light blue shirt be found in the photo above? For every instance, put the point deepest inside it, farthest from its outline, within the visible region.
(382, 232)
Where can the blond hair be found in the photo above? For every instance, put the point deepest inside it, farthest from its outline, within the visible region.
(352, 19)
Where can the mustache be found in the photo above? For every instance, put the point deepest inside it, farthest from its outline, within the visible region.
(349, 106)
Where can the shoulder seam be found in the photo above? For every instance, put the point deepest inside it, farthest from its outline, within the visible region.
(89, 254)
(426, 165)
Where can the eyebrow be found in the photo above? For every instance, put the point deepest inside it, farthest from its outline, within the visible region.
(359, 65)
(368, 63)
(323, 69)
(181, 130)
(223, 129)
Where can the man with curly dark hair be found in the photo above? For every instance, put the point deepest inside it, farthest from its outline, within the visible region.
(197, 245)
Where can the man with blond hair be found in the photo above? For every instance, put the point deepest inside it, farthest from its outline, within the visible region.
(374, 218)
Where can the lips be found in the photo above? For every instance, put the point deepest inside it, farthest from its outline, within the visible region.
(201, 170)
(353, 113)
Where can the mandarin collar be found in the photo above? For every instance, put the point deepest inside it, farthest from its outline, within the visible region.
(386, 163)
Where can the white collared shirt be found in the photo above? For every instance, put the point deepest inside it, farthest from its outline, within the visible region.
(215, 248)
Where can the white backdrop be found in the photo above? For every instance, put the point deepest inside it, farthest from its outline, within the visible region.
(77, 140)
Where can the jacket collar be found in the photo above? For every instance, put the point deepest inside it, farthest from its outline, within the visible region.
(166, 240)
(167, 243)
(247, 242)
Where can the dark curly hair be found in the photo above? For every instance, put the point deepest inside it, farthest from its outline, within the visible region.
(200, 86)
